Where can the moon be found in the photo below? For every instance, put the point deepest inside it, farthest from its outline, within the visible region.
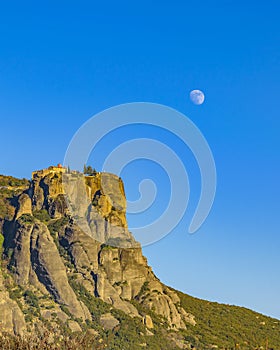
(197, 97)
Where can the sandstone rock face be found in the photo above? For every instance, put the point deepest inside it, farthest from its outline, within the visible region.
(148, 322)
(158, 297)
(187, 317)
(84, 237)
(11, 318)
(22, 259)
(74, 326)
(50, 270)
(38, 193)
(37, 262)
(126, 269)
(24, 205)
(85, 253)
(108, 321)
(99, 206)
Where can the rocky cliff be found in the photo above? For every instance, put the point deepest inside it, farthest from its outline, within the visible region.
(68, 229)
(70, 265)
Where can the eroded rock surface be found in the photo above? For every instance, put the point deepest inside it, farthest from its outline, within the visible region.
(11, 317)
(73, 227)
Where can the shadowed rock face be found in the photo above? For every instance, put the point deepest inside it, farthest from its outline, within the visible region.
(70, 226)
(24, 205)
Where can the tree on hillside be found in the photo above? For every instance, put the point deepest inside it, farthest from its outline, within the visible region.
(88, 170)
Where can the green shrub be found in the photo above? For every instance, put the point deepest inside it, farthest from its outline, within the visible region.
(55, 226)
(1, 243)
(65, 309)
(31, 299)
(144, 289)
(26, 219)
(15, 293)
(88, 170)
(42, 215)
(12, 181)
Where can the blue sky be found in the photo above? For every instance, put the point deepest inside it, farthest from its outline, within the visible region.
(62, 62)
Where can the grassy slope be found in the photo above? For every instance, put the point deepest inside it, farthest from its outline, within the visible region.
(230, 327)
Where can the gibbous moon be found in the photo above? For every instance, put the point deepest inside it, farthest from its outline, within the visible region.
(197, 97)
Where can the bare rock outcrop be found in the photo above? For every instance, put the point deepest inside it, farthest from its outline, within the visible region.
(108, 321)
(148, 322)
(24, 205)
(11, 317)
(51, 271)
(85, 235)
